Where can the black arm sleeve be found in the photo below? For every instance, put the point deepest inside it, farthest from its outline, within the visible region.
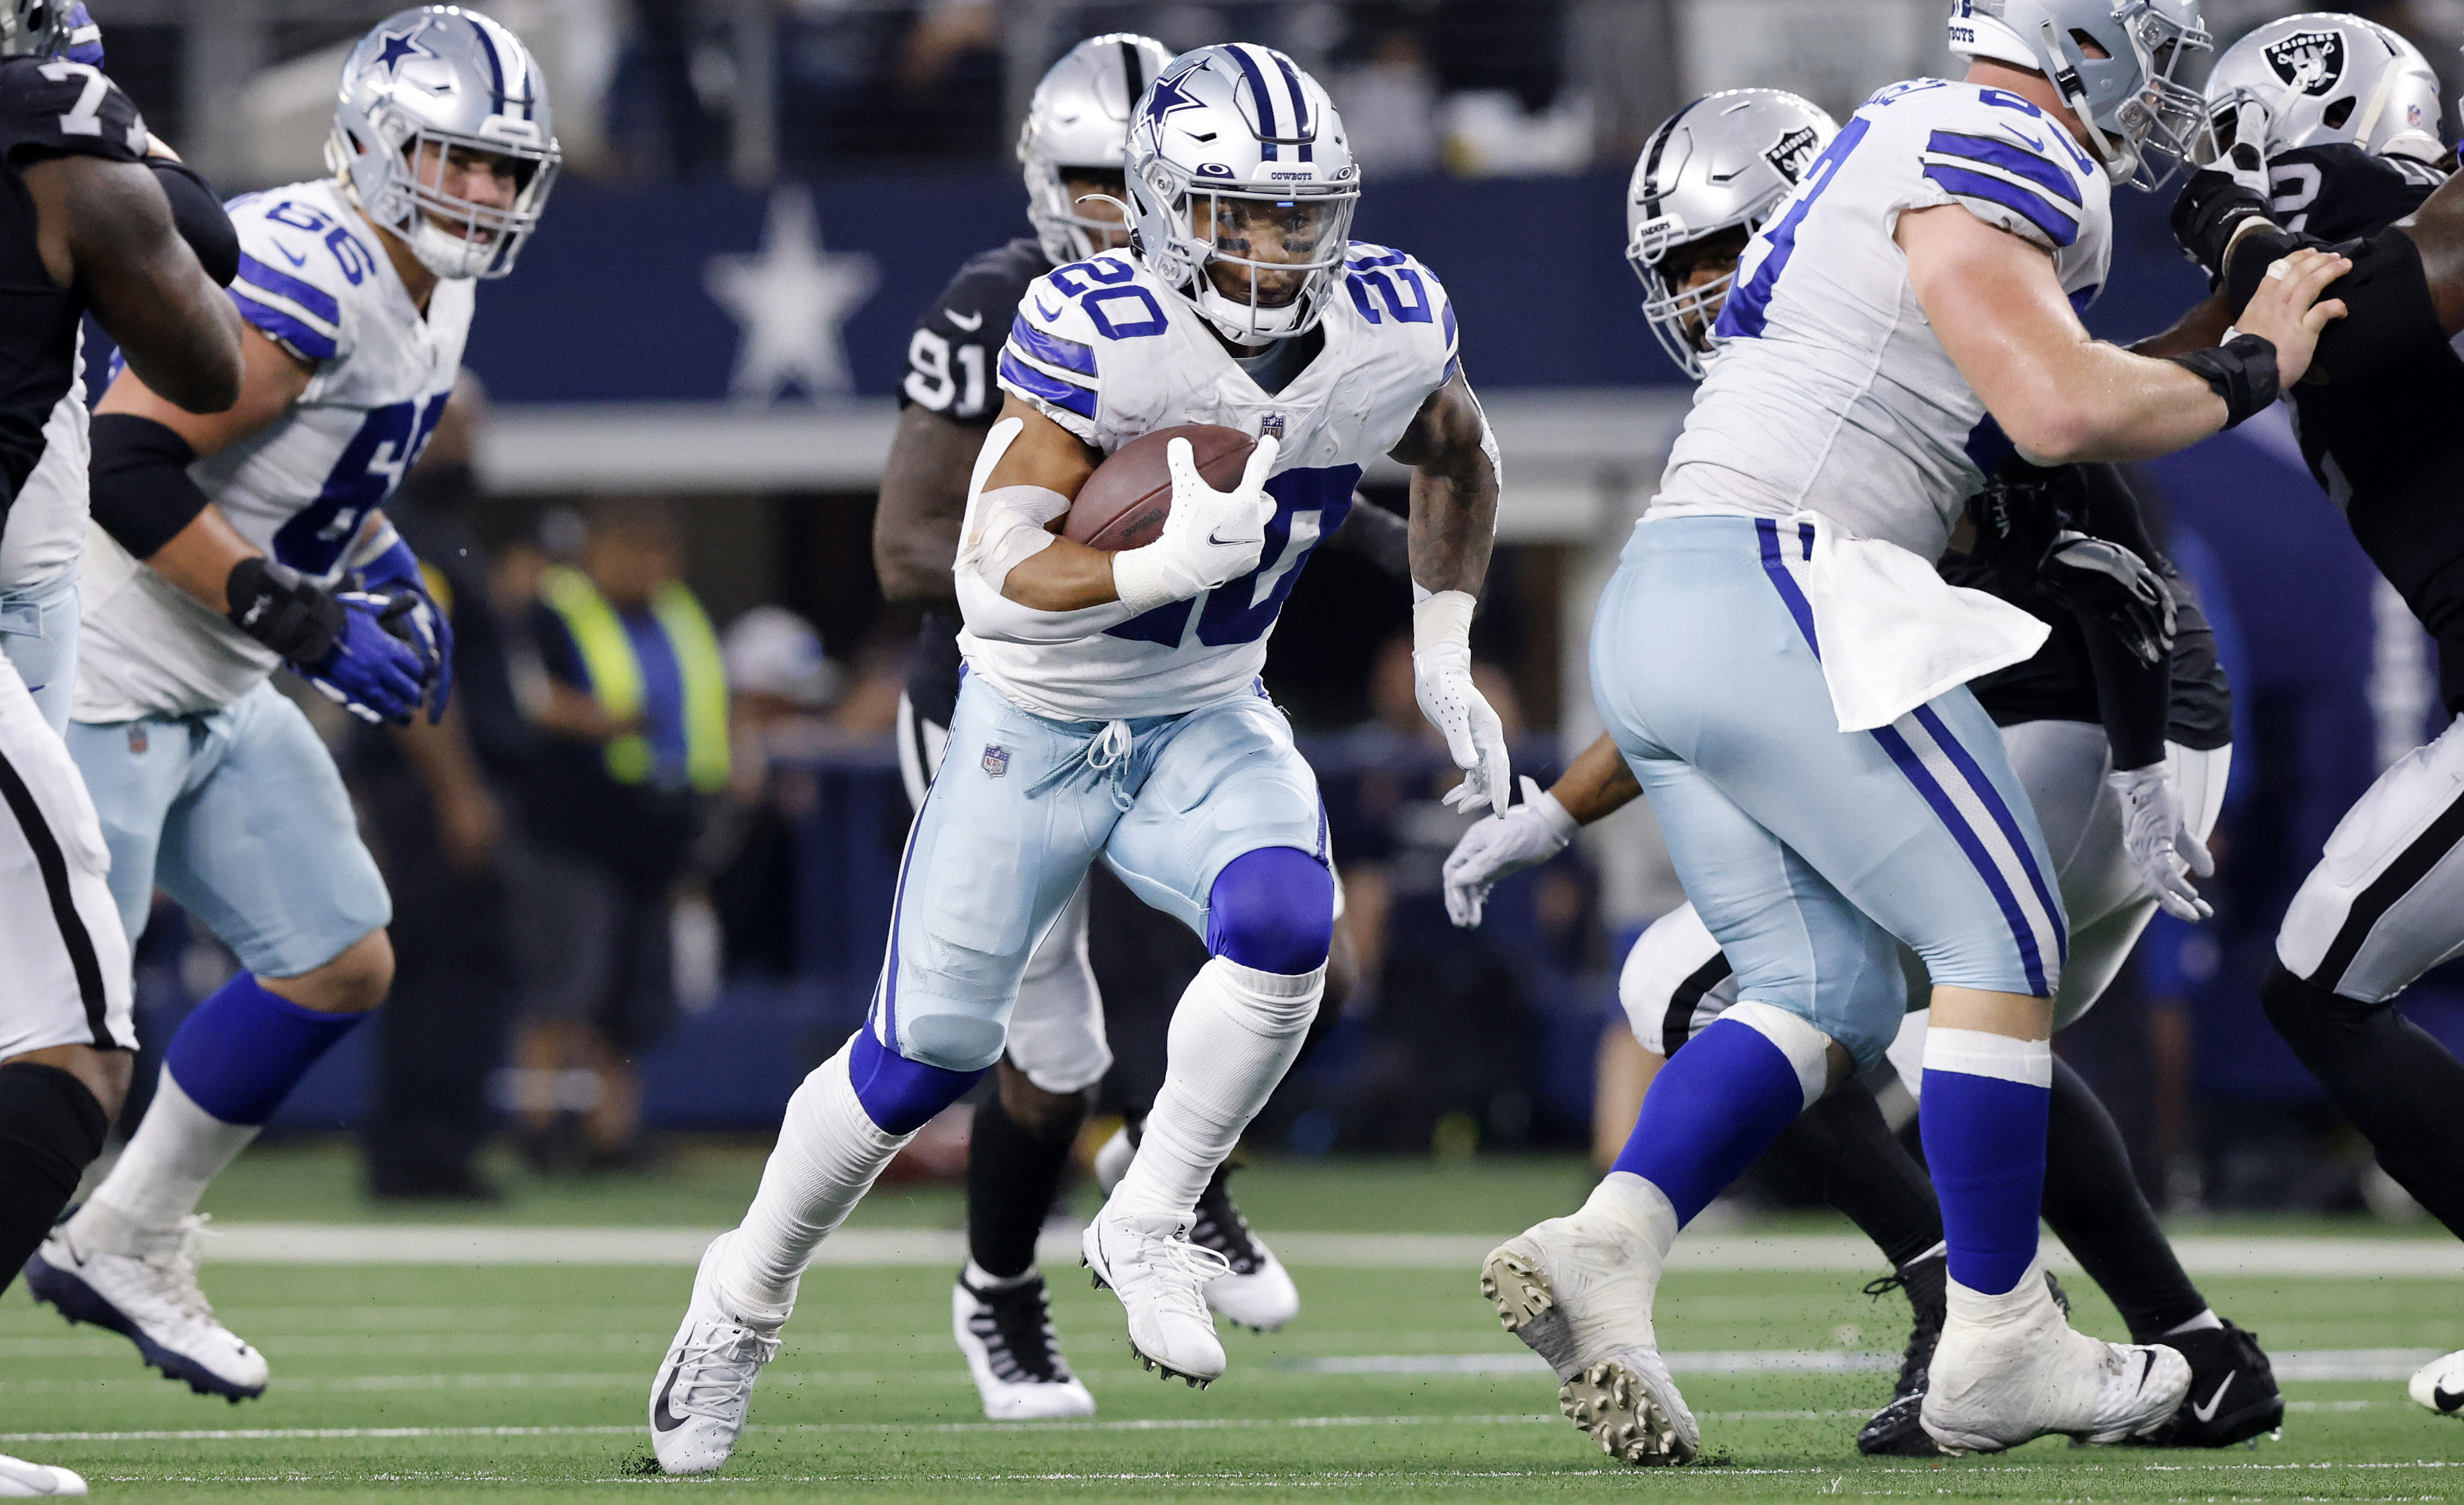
(199, 217)
(138, 482)
(1377, 536)
(2389, 312)
(2133, 698)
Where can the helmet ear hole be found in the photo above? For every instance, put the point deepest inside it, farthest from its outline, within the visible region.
(2088, 46)
(2335, 115)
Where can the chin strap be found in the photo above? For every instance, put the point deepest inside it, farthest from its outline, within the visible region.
(2120, 162)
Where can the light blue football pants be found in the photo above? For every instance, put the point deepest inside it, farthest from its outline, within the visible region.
(1805, 848)
(1024, 803)
(241, 817)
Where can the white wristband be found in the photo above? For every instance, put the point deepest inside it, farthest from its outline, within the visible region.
(1442, 619)
(1137, 579)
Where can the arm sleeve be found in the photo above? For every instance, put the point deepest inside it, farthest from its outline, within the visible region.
(2020, 177)
(2133, 699)
(297, 268)
(52, 107)
(956, 346)
(199, 217)
(1049, 359)
(990, 614)
(138, 482)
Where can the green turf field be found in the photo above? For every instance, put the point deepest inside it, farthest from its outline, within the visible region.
(519, 1382)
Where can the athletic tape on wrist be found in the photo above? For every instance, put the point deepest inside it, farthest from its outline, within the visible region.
(2242, 371)
(1443, 620)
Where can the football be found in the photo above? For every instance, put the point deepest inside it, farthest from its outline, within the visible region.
(1124, 503)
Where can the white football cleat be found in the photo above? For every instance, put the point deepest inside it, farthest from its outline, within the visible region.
(2010, 1369)
(23, 1480)
(1147, 1261)
(1112, 1162)
(705, 1384)
(1007, 1337)
(1255, 1289)
(2439, 1384)
(1578, 1289)
(141, 1283)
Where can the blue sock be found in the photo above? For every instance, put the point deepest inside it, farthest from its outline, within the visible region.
(900, 1095)
(1712, 1110)
(240, 1054)
(1986, 1101)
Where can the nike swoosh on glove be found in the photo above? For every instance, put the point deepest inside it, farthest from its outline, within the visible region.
(373, 670)
(396, 572)
(1525, 836)
(2095, 578)
(2159, 842)
(1209, 537)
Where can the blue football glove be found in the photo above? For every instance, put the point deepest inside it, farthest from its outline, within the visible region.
(85, 37)
(372, 671)
(396, 573)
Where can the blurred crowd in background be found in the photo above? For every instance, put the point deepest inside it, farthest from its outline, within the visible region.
(649, 887)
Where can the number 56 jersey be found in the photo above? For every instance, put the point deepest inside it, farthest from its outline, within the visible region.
(314, 278)
(1109, 353)
(1830, 392)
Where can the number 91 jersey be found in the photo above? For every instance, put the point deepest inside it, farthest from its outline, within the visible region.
(1109, 353)
(1830, 390)
(314, 278)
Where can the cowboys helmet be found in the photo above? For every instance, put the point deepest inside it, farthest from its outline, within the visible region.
(33, 27)
(2322, 77)
(1235, 155)
(426, 83)
(1722, 162)
(1078, 119)
(2142, 126)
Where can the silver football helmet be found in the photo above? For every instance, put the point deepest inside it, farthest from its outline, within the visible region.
(423, 84)
(2322, 77)
(1722, 162)
(33, 27)
(1238, 163)
(2142, 126)
(1080, 118)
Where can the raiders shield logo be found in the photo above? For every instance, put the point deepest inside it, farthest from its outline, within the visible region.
(2310, 62)
(996, 761)
(1792, 153)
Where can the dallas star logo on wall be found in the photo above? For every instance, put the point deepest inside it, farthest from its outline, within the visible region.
(792, 300)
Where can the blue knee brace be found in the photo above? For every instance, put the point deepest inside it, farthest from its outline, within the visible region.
(1272, 910)
(900, 1095)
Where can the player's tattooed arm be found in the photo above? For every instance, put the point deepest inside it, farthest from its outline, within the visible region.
(923, 501)
(105, 228)
(1597, 783)
(1454, 490)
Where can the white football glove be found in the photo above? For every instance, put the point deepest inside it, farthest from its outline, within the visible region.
(1441, 682)
(1525, 836)
(1209, 537)
(2159, 842)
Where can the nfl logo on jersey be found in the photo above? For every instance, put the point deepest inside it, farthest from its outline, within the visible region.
(1272, 425)
(996, 761)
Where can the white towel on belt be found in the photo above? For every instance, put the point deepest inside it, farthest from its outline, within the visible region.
(1893, 632)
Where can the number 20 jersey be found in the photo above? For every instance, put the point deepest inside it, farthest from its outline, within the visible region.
(1107, 351)
(1830, 392)
(314, 278)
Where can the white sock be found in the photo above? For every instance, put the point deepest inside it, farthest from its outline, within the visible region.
(160, 1178)
(1233, 1036)
(2202, 1322)
(828, 1155)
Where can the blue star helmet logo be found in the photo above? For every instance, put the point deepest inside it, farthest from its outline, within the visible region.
(1167, 96)
(395, 46)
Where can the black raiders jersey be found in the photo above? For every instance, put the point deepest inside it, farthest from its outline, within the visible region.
(2058, 684)
(2385, 448)
(49, 107)
(952, 362)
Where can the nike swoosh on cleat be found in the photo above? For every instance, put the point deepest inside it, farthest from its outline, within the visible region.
(970, 323)
(2447, 1399)
(662, 1418)
(2207, 1412)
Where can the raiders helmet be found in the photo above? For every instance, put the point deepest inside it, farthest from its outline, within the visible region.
(2322, 77)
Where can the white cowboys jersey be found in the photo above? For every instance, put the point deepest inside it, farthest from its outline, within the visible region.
(1109, 353)
(1830, 392)
(314, 278)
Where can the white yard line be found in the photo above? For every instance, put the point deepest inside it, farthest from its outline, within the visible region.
(2326, 1364)
(449, 1244)
(866, 1428)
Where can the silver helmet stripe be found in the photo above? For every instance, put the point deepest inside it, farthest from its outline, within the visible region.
(1132, 74)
